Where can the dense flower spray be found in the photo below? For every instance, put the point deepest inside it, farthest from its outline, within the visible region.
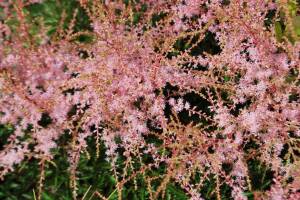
(204, 102)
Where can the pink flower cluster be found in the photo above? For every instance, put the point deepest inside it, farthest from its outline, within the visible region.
(121, 85)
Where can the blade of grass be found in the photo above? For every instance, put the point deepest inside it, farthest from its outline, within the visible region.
(34, 196)
(86, 192)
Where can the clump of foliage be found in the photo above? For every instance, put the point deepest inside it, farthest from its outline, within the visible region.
(150, 99)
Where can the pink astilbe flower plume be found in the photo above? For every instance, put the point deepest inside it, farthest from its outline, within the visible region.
(207, 78)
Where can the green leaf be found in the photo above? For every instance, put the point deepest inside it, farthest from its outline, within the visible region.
(46, 196)
(178, 193)
(226, 78)
(292, 6)
(296, 23)
(278, 31)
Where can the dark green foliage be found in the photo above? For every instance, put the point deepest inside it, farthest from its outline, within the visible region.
(208, 189)
(175, 192)
(227, 167)
(260, 175)
(45, 120)
(209, 44)
(225, 2)
(5, 132)
(51, 11)
(157, 17)
(240, 106)
(20, 184)
(269, 18)
(250, 146)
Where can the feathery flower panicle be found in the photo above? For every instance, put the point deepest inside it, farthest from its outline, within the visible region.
(210, 80)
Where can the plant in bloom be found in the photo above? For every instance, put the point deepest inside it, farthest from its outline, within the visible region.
(208, 79)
